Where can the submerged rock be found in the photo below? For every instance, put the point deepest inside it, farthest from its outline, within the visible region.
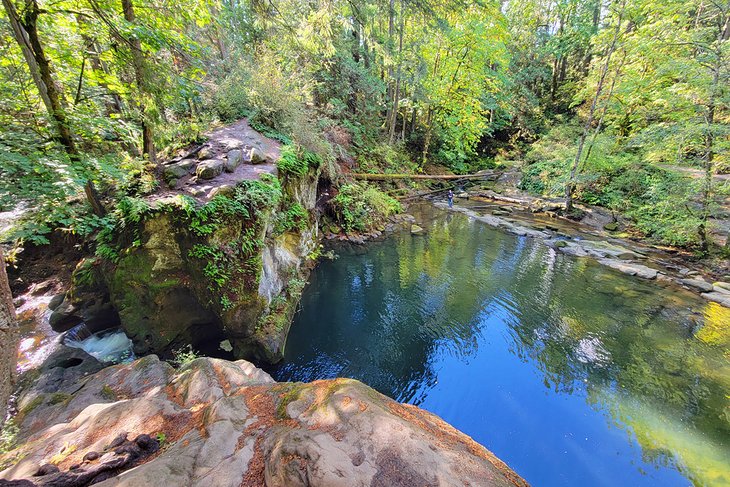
(630, 268)
(718, 297)
(228, 424)
(697, 285)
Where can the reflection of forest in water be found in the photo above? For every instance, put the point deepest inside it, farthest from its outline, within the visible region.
(651, 357)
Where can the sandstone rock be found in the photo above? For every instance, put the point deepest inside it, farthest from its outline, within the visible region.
(255, 156)
(630, 268)
(416, 229)
(719, 286)
(205, 153)
(697, 285)
(209, 169)
(88, 302)
(177, 170)
(229, 424)
(574, 249)
(718, 297)
(222, 190)
(235, 157)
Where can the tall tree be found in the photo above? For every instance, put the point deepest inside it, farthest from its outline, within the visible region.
(142, 79)
(8, 339)
(570, 184)
(25, 32)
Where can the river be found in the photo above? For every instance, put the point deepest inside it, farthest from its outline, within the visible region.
(570, 372)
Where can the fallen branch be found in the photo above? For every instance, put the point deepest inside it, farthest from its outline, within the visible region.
(445, 177)
(185, 156)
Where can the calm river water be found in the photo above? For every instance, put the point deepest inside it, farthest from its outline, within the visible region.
(571, 373)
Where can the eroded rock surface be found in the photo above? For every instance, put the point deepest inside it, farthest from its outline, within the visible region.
(215, 422)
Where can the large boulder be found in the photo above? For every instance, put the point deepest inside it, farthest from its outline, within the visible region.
(255, 156)
(233, 160)
(229, 424)
(178, 170)
(209, 169)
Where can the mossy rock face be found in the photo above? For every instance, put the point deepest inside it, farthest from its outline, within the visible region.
(155, 306)
(86, 301)
(181, 286)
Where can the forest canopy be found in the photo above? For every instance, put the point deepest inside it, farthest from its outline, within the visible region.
(619, 103)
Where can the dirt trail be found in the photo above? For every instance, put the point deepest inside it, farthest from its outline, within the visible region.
(238, 136)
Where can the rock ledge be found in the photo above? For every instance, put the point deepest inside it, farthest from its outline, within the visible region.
(215, 422)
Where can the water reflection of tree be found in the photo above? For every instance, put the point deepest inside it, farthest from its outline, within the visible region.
(595, 327)
(395, 308)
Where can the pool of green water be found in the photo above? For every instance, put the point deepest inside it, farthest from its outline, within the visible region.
(570, 372)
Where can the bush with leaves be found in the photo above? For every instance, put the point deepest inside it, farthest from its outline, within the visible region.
(661, 202)
(363, 207)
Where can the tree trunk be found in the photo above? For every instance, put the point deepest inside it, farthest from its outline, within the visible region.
(723, 35)
(8, 339)
(570, 185)
(396, 95)
(604, 110)
(389, 89)
(140, 75)
(427, 140)
(25, 32)
(112, 103)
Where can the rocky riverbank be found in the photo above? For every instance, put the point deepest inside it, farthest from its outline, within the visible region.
(215, 422)
(628, 257)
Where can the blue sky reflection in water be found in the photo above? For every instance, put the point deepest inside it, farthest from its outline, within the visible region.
(571, 373)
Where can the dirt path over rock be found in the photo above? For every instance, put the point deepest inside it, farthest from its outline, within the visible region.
(231, 154)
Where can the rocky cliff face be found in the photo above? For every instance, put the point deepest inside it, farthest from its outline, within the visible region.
(236, 276)
(184, 272)
(219, 423)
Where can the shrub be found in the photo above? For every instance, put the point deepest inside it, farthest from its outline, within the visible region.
(183, 356)
(361, 207)
(295, 217)
(297, 161)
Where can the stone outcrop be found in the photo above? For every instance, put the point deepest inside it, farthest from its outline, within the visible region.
(211, 257)
(87, 301)
(214, 422)
(232, 280)
(210, 168)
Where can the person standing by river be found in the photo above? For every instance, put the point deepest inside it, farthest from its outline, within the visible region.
(451, 199)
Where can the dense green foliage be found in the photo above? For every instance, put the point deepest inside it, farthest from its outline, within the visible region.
(297, 161)
(379, 86)
(363, 208)
(658, 200)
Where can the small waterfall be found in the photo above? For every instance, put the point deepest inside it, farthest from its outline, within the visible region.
(108, 346)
